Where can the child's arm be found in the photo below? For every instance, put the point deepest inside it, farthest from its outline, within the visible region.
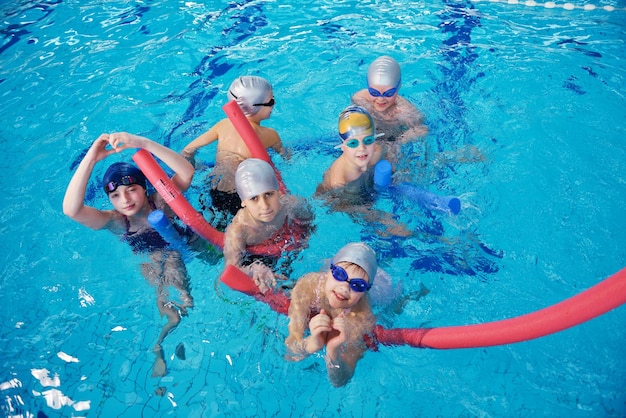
(203, 140)
(74, 200)
(299, 310)
(413, 119)
(183, 170)
(341, 359)
(234, 242)
(270, 139)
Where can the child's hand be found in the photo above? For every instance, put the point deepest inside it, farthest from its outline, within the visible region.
(98, 149)
(319, 326)
(263, 276)
(338, 334)
(123, 140)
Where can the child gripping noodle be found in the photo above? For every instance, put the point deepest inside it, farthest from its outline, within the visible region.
(255, 97)
(337, 303)
(125, 185)
(268, 224)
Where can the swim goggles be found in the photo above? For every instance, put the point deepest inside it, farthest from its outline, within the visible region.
(354, 143)
(112, 186)
(387, 93)
(356, 284)
(271, 103)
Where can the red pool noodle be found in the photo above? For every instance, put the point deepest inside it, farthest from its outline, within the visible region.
(179, 204)
(597, 300)
(240, 281)
(249, 136)
(245, 131)
(175, 199)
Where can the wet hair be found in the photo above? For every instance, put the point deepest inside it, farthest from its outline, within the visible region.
(384, 71)
(249, 91)
(254, 177)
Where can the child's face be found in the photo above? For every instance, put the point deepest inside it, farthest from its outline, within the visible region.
(356, 150)
(128, 200)
(339, 294)
(263, 207)
(381, 102)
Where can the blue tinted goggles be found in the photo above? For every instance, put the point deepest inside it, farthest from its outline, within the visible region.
(388, 93)
(354, 143)
(356, 284)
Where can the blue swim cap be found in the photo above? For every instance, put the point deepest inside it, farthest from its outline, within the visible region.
(122, 174)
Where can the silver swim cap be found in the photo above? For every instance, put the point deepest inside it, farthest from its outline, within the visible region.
(384, 71)
(360, 254)
(254, 177)
(250, 90)
(355, 120)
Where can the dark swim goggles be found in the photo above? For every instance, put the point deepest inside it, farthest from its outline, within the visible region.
(356, 284)
(388, 93)
(271, 103)
(353, 142)
(112, 186)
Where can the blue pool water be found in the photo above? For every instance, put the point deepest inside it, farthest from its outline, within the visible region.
(537, 89)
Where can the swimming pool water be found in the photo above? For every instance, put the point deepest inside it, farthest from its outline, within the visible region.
(538, 90)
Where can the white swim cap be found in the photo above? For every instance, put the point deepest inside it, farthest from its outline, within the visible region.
(360, 254)
(384, 71)
(250, 90)
(254, 177)
(355, 120)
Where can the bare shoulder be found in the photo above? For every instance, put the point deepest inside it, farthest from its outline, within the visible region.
(307, 283)
(360, 97)
(407, 110)
(269, 136)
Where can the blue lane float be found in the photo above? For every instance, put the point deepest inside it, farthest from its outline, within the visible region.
(423, 197)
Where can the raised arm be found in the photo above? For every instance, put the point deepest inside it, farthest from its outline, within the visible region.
(183, 170)
(74, 200)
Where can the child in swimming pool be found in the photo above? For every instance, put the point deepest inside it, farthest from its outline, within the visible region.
(125, 186)
(353, 170)
(333, 305)
(348, 185)
(255, 97)
(396, 117)
(268, 224)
